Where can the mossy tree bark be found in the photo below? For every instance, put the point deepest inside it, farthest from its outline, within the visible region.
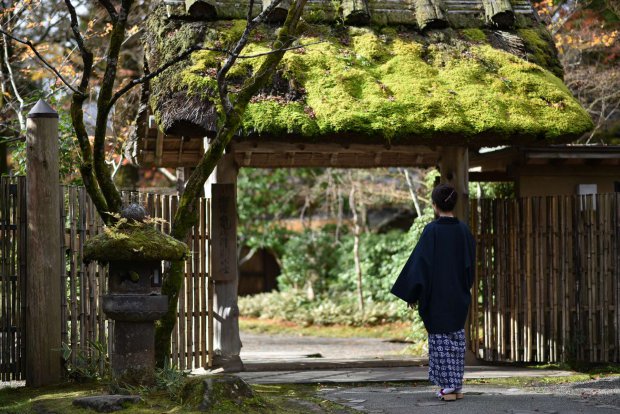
(94, 170)
(231, 117)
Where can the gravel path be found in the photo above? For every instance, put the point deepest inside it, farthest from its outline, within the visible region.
(479, 399)
(257, 346)
(605, 391)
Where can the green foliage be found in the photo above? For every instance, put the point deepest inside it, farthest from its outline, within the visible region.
(492, 190)
(265, 197)
(382, 258)
(295, 306)
(310, 260)
(89, 364)
(171, 380)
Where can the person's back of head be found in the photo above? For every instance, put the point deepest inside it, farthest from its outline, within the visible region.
(444, 197)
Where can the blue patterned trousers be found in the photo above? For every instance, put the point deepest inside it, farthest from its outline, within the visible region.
(446, 353)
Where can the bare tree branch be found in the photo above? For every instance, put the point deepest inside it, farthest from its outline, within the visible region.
(19, 111)
(77, 119)
(134, 82)
(117, 36)
(184, 55)
(40, 57)
(221, 74)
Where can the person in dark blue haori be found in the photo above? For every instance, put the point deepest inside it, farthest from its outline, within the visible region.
(438, 277)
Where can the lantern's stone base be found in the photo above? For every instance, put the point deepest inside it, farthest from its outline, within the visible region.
(133, 342)
(133, 354)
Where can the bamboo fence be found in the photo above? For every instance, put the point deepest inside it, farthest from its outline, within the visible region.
(12, 286)
(84, 322)
(548, 279)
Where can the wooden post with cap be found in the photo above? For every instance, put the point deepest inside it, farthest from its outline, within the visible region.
(454, 169)
(43, 280)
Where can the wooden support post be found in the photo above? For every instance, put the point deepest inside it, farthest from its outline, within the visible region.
(224, 265)
(454, 168)
(43, 282)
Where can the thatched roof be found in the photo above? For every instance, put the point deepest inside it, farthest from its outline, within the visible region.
(478, 72)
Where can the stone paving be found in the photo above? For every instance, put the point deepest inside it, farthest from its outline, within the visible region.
(478, 399)
(339, 374)
(358, 381)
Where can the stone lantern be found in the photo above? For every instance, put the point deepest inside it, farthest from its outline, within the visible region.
(134, 251)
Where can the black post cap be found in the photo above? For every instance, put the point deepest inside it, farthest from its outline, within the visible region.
(42, 110)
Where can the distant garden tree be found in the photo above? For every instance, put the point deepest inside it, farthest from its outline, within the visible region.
(95, 172)
(587, 34)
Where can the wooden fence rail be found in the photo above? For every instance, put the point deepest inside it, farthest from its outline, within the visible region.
(548, 279)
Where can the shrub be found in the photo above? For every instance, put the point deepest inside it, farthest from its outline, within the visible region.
(294, 306)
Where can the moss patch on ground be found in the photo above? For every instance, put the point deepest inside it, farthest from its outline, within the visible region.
(269, 399)
(391, 83)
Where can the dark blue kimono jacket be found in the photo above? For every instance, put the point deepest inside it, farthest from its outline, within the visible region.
(439, 275)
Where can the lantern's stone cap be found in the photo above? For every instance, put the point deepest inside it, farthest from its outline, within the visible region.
(137, 242)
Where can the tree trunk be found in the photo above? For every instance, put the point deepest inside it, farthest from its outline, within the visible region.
(356, 248)
(186, 214)
(412, 191)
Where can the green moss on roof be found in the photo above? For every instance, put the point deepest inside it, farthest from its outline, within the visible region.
(541, 49)
(140, 242)
(475, 35)
(388, 82)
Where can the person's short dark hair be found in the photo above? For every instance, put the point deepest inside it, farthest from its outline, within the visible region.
(445, 196)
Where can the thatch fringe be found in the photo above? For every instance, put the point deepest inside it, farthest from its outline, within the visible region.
(430, 14)
(355, 12)
(499, 13)
(201, 9)
(278, 15)
(187, 116)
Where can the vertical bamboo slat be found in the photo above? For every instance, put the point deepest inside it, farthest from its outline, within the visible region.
(196, 294)
(5, 325)
(204, 282)
(616, 255)
(21, 191)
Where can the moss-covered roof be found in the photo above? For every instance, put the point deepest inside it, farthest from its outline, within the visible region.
(391, 82)
(138, 242)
